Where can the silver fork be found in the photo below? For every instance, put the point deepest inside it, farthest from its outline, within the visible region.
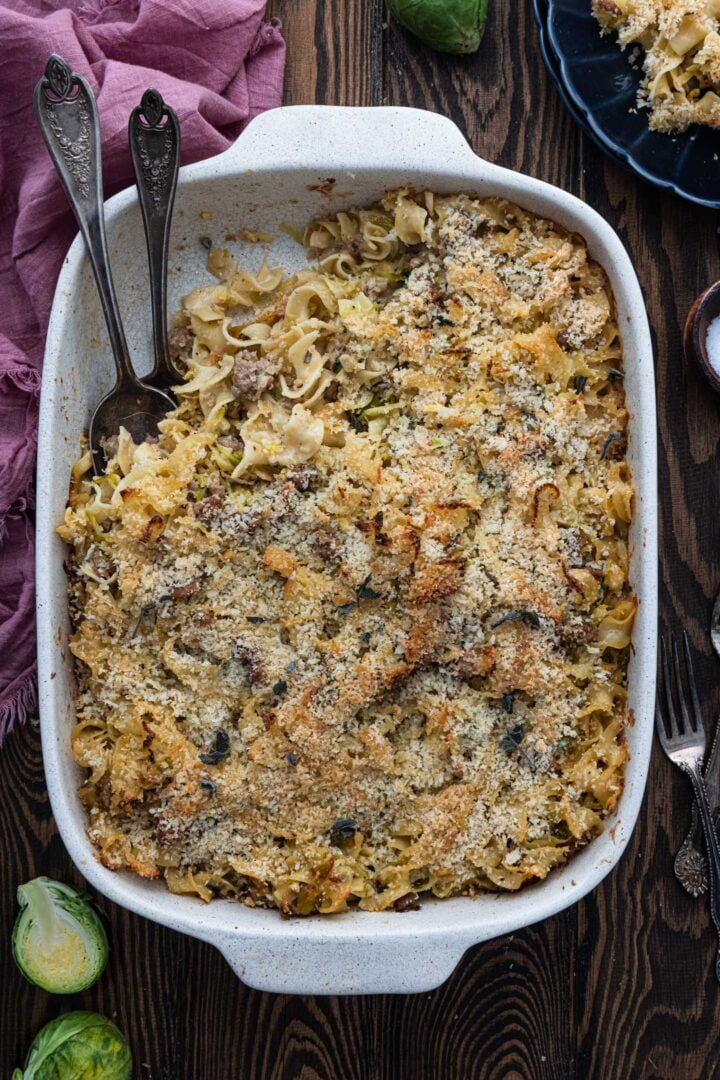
(690, 863)
(683, 740)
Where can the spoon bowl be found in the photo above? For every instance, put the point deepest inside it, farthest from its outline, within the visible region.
(705, 309)
(138, 412)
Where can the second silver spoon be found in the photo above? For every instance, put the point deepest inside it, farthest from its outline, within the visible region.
(154, 134)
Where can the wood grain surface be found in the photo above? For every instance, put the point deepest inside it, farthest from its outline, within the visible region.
(619, 987)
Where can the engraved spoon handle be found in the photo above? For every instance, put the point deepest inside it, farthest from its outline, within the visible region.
(154, 134)
(67, 113)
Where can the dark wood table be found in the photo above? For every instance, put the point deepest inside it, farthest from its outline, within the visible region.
(620, 986)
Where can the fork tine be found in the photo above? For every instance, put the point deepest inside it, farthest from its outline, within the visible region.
(660, 721)
(671, 720)
(680, 688)
(697, 715)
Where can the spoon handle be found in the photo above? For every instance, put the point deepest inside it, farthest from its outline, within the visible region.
(154, 134)
(67, 113)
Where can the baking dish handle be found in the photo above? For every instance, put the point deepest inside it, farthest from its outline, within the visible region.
(335, 965)
(348, 139)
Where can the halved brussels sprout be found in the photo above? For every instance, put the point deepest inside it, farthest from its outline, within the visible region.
(77, 1046)
(453, 26)
(58, 940)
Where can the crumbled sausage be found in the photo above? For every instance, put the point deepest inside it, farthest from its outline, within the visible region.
(180, 344)
(251, 659)
(477, 664)
(408, 902)
(168, 832)
(103, 790)
(251, 375)
(302, 476)
(184, 592)
(327, 546)
(576, 634)
(206, 511)
(231, 442)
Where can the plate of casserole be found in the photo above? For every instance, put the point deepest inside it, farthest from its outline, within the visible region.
(644, 80)
(354, 663)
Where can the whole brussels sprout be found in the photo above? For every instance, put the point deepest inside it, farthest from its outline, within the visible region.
(77, 1046)
(58, 940)
(452, 26)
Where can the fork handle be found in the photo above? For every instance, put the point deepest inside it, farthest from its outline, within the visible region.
(713, 849)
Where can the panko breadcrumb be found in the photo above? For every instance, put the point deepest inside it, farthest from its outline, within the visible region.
(681, 43)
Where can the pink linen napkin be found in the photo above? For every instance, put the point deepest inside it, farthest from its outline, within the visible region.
(218, 64)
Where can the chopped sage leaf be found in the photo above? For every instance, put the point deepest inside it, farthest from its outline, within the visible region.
(221, 751)
(342, 831)
(528, 617)
(613, 437)
(365, 592)
(511, 741)
(357, 421)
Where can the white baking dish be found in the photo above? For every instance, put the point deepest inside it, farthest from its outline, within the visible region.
(270, 176)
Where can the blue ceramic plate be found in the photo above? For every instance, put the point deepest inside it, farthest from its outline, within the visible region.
(599, 86)
(552, 63)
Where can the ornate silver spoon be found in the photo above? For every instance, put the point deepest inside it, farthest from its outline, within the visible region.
(154, 134)
(66, 110)
(690, 863)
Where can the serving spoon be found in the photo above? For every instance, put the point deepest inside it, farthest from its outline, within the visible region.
(690, 865)
(67, 113)
(695, 341)
(154, 135)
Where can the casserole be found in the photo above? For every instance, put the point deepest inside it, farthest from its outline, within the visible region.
(275, 174)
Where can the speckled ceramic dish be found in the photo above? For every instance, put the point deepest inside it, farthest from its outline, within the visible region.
(600, 86)
(290, 165)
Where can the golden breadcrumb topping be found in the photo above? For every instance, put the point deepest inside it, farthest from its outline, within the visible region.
(681, 44)
(355, 626)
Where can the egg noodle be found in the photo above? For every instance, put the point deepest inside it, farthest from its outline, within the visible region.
(681, 65)
(355, 627)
